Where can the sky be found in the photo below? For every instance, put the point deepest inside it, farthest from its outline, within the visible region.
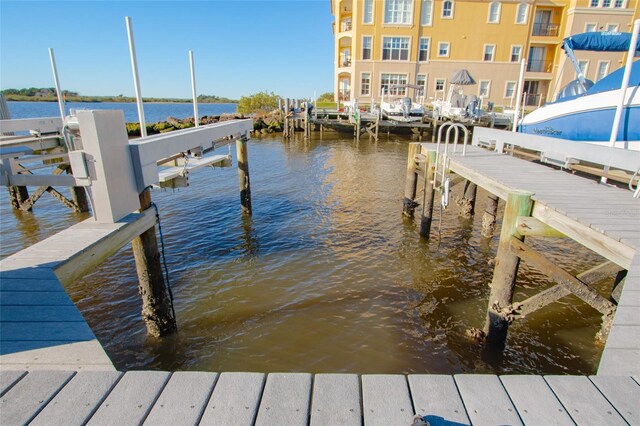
(240, 47)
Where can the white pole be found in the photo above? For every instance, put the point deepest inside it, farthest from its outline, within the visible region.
(516, 116)
(193, 89)
(57, 83)
(625, 84)
(136, 79)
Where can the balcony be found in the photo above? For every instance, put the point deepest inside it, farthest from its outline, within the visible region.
(545, 30)
(345, 25)
(344, 95)
(539, 66)
(345, 63)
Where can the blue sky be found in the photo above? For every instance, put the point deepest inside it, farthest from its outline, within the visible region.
(240, 47)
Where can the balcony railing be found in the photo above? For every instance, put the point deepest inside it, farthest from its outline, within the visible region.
(345, 25)
(539, 66)
(533, 99)
(345, 63)
(344, 95)
(545, 30)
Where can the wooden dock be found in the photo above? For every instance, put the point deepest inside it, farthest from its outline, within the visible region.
(190, 398)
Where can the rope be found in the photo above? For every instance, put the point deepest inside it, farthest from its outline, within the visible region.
(164, 260)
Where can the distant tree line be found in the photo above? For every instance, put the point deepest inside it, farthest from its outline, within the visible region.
(48, 94)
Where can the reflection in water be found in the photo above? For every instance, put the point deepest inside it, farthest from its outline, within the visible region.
(327, 276)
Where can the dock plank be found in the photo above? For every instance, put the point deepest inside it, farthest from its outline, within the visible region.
(131, 399)
(623, 393)
(583, 402)
(183, 399)
(436, 397)
(386, 400)
(81, 396)
(234, 400)
(336, 400)
(534, 400)
(285, 400)
(8, 378)
(486, 400)
(24, 400)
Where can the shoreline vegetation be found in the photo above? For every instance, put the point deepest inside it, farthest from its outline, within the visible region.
(34, 94)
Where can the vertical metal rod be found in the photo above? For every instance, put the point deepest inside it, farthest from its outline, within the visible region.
(56, 81)
(193, 89)
(136, 78)
(514, 127)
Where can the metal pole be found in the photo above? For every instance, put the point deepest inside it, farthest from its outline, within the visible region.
(519, 96)
(136, 79)
(625, 84)
(193, 89)
(57, 83)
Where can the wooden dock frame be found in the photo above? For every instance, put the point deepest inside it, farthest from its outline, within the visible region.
(533, 214)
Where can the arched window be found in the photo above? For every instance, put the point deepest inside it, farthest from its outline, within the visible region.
(447, 9)
(521, 14)
(494, 12)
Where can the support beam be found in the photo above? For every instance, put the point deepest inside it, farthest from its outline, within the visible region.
(506, 269)
(532, 227)
(427, 199)
(411, 181)
(489, 216)
(243, 175)
(157, 306)
(18, 195)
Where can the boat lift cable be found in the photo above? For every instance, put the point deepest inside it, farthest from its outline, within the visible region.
(164, 260)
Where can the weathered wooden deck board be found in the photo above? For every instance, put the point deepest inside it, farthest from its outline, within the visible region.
(623, 393)
(436, 398)
(285, 400)
(131, 399)
(234, 400)
(76, 402)
(486, 400)
(583, 402)
(27, 397)
(534, 400)
(386, 399)
(336, 400)
(183, 399)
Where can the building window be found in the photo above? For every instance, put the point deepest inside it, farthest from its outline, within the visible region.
(421, 80)
(398, 12)
(345, 57)
(427, 12)
(603, 70)
(618, 3)
(443, 49)
(489, 52)
(395, 48)
(423, 52)
(484, 88)
(447, 9)
(494, 13)
(606, 3)
(367, 12)
(388, 80)
(366, 48)
(365, 84)
(516, 51)
(439, 85)
(594, 3)
(612, 28)
(521, 13)
(584, 66)
(509, 89)
(590, 27)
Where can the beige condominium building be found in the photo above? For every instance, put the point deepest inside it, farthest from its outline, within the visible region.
(422, 42)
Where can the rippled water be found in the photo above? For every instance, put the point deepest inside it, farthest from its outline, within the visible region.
(327, 276)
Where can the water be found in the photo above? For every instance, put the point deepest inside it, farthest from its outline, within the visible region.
(327, 276)
(153, 112)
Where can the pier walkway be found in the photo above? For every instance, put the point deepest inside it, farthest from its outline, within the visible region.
(188, 398)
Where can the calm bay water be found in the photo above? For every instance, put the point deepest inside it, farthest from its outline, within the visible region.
(327, 276)
(153, 112)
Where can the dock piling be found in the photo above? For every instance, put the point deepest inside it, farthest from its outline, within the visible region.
(243, 175)
(489, 216)
(411, 182)
(467, 202)
(427, 200)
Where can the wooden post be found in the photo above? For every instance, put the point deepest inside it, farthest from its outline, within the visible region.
(489, 216)
(157, 307)
(243, 175)
(411, 181)
(427, 200)
(377, 126)
(286, 118)
(358, 127)
(17, 196)
(506, 269)
(467, 202)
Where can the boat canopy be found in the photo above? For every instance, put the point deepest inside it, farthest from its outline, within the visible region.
(605, 41)
(614, 80)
